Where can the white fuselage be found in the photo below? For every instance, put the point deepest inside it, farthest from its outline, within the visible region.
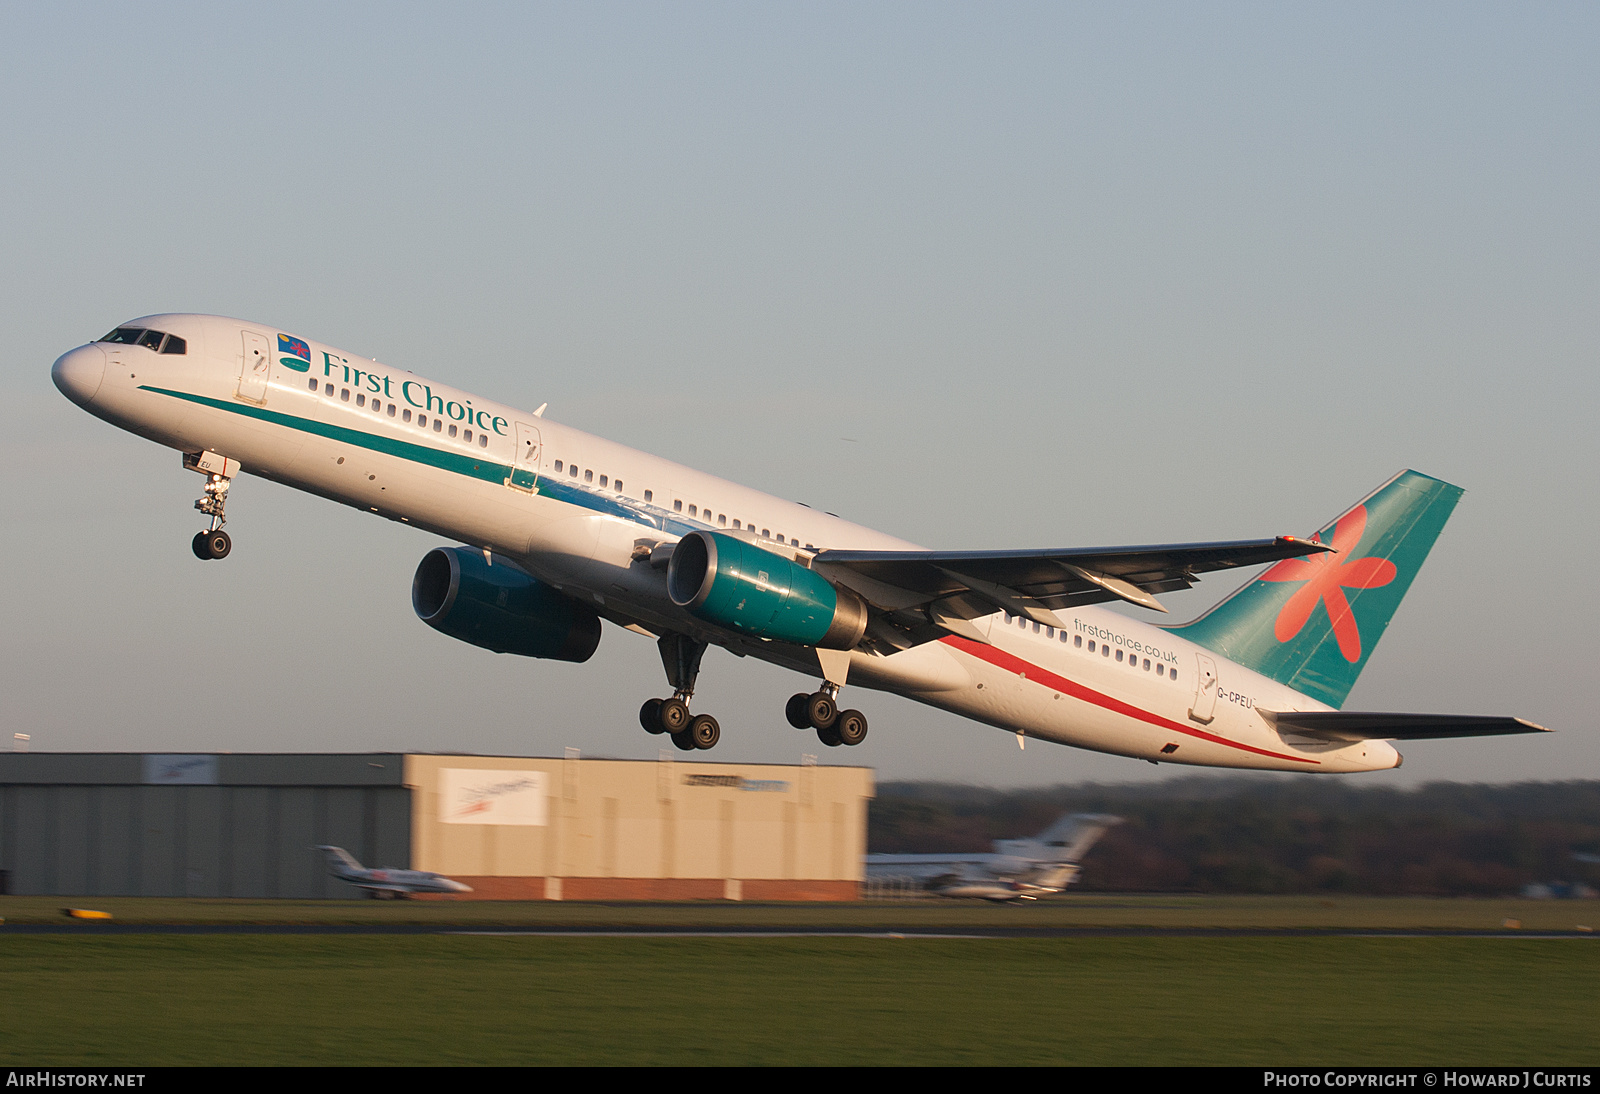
(348, 429)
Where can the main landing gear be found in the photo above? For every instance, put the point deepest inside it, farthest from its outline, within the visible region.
(219, 471)
(680, 656)
(820, 711)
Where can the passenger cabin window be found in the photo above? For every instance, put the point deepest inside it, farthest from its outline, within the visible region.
(649, 495)
(617, 486)
(602, 481)
(313, 384)
(677, 505)
(559, 467)
(572, 469)
(405, 415)
(588, 475)
(692, 510)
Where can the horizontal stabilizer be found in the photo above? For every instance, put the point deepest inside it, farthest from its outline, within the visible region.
(1356, 725)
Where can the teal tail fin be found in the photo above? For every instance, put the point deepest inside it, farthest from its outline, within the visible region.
(1311, 623)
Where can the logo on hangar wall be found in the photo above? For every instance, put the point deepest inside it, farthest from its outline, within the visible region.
(294, 353)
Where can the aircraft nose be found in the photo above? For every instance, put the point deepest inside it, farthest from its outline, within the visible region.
(78, 373)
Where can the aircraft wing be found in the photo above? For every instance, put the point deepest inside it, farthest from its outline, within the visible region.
(379, 887)
(1356, 725)
(926, 866)
(951, 586)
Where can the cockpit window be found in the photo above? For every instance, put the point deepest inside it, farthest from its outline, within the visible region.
(156, 340)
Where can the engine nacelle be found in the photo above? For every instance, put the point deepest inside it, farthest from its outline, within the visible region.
(737, 585)
(457, 592)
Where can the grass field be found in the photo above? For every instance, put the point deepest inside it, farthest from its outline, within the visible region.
(137, 1000)
(89, 997)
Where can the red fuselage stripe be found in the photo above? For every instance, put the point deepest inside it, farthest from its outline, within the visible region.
(1002, 660)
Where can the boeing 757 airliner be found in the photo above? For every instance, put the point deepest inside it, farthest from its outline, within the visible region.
(561, 529)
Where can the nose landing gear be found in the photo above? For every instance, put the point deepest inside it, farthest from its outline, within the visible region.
(214, 544)
(680, 656)
(219, 471)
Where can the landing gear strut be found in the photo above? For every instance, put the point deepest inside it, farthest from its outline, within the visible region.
(219, 471)
(680, 656)
(820, 711)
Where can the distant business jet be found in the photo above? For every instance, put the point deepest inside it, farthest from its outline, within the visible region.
(387, 881)
(1019, 869)
(564, 529)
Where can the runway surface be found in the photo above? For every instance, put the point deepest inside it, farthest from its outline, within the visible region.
(102, 929)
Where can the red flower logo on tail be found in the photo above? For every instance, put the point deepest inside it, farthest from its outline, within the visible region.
(1326, 578)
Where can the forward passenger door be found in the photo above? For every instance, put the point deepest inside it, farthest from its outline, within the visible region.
(255, 367)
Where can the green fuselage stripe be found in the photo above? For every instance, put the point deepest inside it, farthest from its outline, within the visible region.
(418, 453)
(454, 462)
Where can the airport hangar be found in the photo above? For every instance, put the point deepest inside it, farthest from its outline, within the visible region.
(513, 828)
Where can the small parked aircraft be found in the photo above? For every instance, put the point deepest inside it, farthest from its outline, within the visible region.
(387, 882)
(1019, 869)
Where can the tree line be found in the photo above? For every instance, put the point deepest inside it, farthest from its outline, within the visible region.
(1293, 835)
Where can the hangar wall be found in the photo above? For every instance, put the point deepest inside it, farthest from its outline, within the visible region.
(233, 825)
(209, 825)
(579, 829)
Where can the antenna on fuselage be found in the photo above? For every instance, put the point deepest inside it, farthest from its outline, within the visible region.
(540, 412)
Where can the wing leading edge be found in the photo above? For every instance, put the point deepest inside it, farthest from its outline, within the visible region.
(947, 588)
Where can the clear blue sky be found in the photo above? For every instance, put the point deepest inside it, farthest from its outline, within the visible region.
(978, 275)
